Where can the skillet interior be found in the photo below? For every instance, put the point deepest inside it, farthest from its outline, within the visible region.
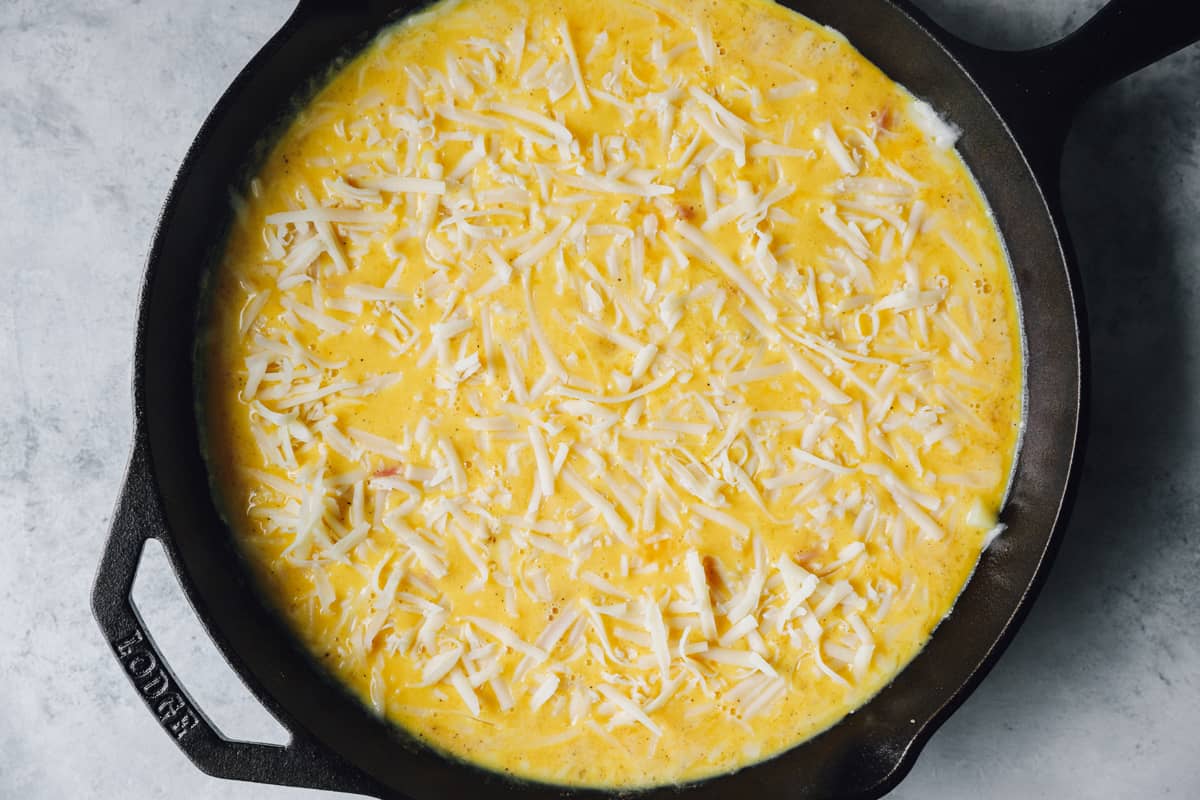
(862, 756)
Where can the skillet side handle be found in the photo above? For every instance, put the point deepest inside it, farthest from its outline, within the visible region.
(139, 517)
(1038, 91)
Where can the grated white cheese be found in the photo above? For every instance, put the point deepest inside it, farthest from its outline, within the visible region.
(696, 377)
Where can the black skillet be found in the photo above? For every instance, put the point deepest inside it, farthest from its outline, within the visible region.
(1015, 110)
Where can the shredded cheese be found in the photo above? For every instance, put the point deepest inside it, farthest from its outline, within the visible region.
(587, 396)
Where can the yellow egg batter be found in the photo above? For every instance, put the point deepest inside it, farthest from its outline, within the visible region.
(613, 397)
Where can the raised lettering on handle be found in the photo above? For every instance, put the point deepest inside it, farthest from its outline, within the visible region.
(141, 663)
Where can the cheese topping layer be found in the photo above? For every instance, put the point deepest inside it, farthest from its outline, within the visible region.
(613, 398)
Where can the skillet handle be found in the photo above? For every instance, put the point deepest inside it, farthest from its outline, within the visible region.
(1038, 91)
(139, 517)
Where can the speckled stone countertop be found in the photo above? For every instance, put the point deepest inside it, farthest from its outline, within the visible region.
(1098, 697)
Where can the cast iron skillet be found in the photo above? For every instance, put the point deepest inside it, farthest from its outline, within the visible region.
(1015, 110)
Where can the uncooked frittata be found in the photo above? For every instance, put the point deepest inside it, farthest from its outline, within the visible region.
(613, 398)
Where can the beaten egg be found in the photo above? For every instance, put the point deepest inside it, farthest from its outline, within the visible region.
(613, 399)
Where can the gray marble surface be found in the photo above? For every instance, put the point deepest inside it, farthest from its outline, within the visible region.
(1099, 696)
